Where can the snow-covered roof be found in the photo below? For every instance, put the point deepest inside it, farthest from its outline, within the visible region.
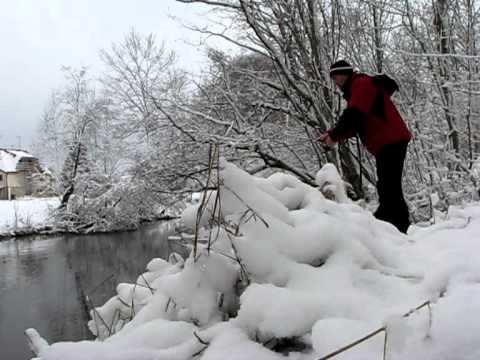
(10, 158)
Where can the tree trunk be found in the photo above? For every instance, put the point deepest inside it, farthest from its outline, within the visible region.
(442, 32)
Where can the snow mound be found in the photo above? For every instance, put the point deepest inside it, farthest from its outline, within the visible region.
(277, 263)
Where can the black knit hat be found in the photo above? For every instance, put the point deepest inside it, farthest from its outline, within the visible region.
(341, 67)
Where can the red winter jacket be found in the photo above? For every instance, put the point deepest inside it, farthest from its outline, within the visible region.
(376, 127)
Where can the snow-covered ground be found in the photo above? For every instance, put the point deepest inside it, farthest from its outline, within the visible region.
(288, 263)
(25, 215)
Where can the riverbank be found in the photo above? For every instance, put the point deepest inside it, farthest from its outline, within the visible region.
(26, 216)
(33, 216)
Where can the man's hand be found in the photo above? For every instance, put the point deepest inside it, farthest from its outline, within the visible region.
(326, 140)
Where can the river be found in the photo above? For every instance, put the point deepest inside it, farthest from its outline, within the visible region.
(41, 280)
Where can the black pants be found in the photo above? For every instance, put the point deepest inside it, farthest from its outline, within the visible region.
(393, 207)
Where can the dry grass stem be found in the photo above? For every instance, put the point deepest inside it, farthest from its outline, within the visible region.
(378, 331)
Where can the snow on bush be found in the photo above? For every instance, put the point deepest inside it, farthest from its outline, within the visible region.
(283, 264)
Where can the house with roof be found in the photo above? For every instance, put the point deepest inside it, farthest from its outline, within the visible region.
(16, 170)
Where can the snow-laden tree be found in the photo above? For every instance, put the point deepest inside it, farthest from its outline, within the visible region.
(43, 184)
(234, 108)
(261, 103)
(300, 39)
(429, 47)
(141, 80)
(48, 144)
(76, 140)
(140, 72)
(434, 54)
(75, 170)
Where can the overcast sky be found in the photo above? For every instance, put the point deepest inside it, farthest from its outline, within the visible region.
(39, 36)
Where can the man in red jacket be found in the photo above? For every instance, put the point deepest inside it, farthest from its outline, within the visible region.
(371, 114)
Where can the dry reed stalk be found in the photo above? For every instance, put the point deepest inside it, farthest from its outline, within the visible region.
(97, 314)
(170, 300)
(353, 344)
(200, 340)
(96, 287)
(201, 208)
(378, 331)
(218, 203)
(148, 285)
(114, 322)
(255, 214)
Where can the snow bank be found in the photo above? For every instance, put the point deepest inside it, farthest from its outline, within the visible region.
(284, 269)
(25, 215)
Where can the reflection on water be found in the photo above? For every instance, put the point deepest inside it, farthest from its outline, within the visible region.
(42, 280)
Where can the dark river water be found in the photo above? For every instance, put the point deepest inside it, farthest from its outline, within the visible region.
(42, 279)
